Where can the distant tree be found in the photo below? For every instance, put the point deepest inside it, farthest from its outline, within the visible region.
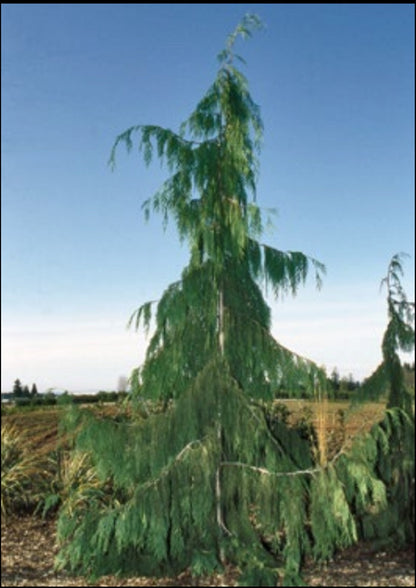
(352, 383)
(25, 392)
(49, 397)
(34, 391)
(335, 379)
(17, 389)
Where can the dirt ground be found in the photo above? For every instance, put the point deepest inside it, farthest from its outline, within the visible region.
(28, 549)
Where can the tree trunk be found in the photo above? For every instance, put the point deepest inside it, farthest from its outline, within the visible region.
(220, 520)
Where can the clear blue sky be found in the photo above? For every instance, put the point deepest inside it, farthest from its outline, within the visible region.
(335, 84)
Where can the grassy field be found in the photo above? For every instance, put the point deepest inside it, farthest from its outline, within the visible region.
(339, 421)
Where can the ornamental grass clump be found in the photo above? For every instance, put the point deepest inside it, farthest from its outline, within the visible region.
(25, 476)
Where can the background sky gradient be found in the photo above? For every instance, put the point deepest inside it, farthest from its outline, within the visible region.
(335, 84)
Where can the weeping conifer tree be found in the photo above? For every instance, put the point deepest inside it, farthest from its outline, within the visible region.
(392, 441)
(217, 306)
(209, 479)
(388, 379)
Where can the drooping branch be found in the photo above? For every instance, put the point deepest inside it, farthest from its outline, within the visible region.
(264, 471)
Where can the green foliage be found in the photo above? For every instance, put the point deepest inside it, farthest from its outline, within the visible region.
(389, 377)
(378, 477)
(259, 574)
(210, 195)
(186, 336)
(162, 471)
(332, 523)
(142, 495)
(395, 454)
